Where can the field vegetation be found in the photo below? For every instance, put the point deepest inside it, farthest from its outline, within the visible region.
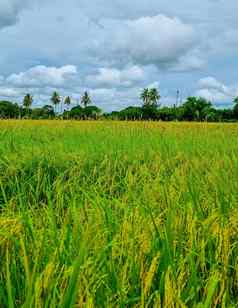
(118, 214)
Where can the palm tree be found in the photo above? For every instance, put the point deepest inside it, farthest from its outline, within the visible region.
(27, 101)
(55, 99)
(154, 96)
(86, 100)
(67, 101)
(145, 96)
(235, 109)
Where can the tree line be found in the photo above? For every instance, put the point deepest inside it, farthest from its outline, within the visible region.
(193, 109)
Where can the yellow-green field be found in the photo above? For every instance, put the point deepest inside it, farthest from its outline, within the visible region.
(117, 214)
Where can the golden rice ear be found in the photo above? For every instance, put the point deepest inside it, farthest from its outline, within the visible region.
(10, 230)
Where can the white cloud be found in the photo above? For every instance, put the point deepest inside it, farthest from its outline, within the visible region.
(213, 95)
(41, 76)
(159, 40)
(188, 63)
(115, 77)
(115, 99)
(154, 84)
(9, 93)
(210, 83)
(40, 81)
(215, 91)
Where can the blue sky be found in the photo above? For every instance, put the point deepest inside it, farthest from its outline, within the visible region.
(114, 49)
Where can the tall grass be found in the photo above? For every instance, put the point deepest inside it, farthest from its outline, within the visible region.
(109, 214)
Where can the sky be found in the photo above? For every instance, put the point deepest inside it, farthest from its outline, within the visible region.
(114, 49)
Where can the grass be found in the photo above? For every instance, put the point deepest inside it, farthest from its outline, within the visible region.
(117, 214)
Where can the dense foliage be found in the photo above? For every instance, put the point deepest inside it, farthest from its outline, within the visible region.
(193, 109)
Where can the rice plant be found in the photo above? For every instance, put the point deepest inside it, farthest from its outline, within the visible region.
(118, 214)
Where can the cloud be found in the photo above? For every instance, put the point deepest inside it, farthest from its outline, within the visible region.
(154, 84)
(111, 77)
(124, 9)
(10, 10)
(215, 91)
(212, 83)
(9, 93)
(117, 47)
(158, 40)
(43, 76)
(188, 63)
(115, 99)
(40, 81)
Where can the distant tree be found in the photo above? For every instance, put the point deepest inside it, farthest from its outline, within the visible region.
(92, 112)
(131, 113)
(37, 113)
(235, 109)
(46, 112)
(145, 96)
(79, 113)
(86, 100)
(9, 110)
(114, 115)
(67, 101)
(150, 112)
(189, 109)
(55, 99)
(212, 115)
(225, 115)
(75, 113)
(150, 97)
(167, 114)
(196, 109)
(27, 101)
(154, 96)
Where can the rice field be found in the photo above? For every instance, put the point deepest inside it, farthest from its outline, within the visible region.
(118, 214)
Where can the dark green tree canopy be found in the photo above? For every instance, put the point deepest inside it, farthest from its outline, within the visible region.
(196, 109)
(46, 112)
(131, 113)
(9, 110)
(92, 112)
(89, 112)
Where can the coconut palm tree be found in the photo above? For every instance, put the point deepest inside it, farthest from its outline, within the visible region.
(55, 99)
(67, 101)
(154, 96)
(235, 108)
(27, 101)
(145, 96)
(86, 100)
